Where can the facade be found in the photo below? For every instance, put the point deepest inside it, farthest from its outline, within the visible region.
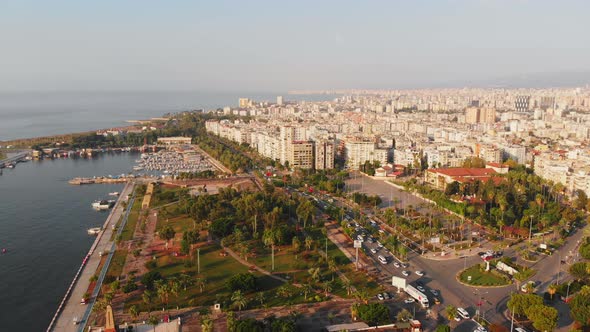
(301, 154)
(324, 154)
(357, 152)
(440, 178)
(522, 103)
(174, 140)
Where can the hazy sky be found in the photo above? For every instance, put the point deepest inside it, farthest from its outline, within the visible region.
(278, 45)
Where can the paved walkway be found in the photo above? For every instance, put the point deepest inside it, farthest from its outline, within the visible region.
(72, 310)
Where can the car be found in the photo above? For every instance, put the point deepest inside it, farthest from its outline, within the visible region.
(520, 329)
(434, 292)
(380, 297)
(379, 244)
(481, 253)
(488, 258)
(373, 250)
(405, 265)
(420, 288)
(396, 264)
(370, 240)
(386, 296)
(405, 273)
(419, 283)
(420, 273)
(457, 318)
(410, 300)
(359, 237)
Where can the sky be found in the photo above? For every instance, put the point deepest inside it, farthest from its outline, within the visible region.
(250, 45)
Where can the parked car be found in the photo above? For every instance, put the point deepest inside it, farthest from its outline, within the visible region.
(434, 292)
(386, 296)
(420, 288)
(380, 297)
(405, 273)
(409, 300)
(373, 250)
(396, 264)
(420, 273)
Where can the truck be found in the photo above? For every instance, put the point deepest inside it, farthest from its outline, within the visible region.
(417, 295)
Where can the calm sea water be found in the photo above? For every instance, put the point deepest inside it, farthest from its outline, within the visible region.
(32, 114)
(43, 223)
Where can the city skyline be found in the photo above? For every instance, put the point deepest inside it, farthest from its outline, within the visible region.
(263, 46)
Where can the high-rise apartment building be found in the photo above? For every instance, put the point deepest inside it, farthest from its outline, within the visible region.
(243, 102)
(522, 103)
(324, 154)
(280, 100)
(472, 115)
(300, 154)
(358, 151)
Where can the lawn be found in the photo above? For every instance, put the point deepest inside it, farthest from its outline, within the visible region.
(479, 277)
(179, 224)
(165, 195)
(129, 230)
(215, 269)
(117, 263)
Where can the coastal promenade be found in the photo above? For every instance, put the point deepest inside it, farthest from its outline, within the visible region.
(70, 312)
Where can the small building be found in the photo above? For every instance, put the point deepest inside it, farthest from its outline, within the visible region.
(174, 140)
(500, 168)
(441, 177)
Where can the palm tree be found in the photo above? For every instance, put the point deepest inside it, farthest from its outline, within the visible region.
(308, 242)
(239, 299)
(314, 272)
(153, 321)
(260, 298)
(362, 296)
(306, 288)
(451, 312)
(327, 286)
(269, 239)
(332, 266)
(552, 289)
(403, 316)
(348, 285)
(148, 297)
(133, 312)
(163, 290)
(201, 282)
(207, 324)
(185, 281)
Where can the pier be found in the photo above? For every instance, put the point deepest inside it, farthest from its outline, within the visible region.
(71, 315)
(15, 159)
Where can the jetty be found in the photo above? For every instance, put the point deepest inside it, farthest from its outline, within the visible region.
(21, 156)
(71, 316)
(99, 180)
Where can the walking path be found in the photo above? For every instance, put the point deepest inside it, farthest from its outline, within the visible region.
(70, 311)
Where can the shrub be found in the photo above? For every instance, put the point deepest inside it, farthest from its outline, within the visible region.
(130, 287)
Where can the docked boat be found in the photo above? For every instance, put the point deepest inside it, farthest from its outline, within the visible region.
(137, 168)
(94, 231)
(116, 193)
(103, 204)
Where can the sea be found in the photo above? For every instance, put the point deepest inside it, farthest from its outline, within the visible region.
(34, 114)
(43, 219)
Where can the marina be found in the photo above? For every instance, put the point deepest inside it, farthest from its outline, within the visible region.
(181, 159)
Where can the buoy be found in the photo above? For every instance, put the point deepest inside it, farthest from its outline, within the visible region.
(3, 250)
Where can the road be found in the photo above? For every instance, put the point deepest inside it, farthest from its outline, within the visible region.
(441, 274)
(72, 309)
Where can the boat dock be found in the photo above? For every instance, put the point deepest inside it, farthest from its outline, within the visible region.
(71, 316)
(22, 156)
(99, 180)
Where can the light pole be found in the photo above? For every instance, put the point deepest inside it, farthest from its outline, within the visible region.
(567, 294)
(531, 229)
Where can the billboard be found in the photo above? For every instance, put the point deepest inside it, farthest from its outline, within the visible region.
(398, 282)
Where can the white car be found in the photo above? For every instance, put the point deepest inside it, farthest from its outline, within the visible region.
(457, 318)
(396, 264)
(420, 273)
(380, 297)
(373, 250)
(405, 273)
(520, 329)
(420, 288)
(410, 300)
(379, 244)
